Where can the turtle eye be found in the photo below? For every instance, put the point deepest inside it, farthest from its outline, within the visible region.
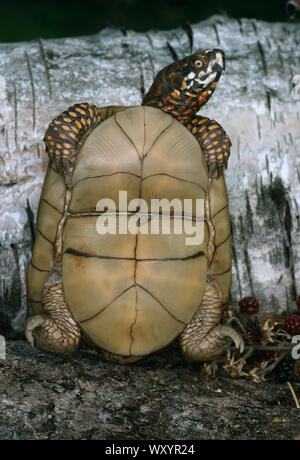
(198, 63)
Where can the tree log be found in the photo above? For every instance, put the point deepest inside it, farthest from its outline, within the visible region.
(254, 101)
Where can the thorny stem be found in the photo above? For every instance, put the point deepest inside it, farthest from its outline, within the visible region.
(244, 357)
(266, 348)
(272, 366)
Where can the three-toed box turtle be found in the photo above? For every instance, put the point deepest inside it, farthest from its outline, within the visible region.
(132, 294)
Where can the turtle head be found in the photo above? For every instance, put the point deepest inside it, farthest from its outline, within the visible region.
(184, 86)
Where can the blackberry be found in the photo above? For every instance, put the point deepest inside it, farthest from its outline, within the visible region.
(249, 306)
(292, 324)
(285, 370)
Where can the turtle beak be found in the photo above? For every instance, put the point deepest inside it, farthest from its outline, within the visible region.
(216, 58)
(219, 64)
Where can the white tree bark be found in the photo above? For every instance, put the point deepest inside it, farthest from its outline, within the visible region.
(254, 102)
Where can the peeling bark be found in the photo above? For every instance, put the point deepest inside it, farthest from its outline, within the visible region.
(253, 102)
(160, 398)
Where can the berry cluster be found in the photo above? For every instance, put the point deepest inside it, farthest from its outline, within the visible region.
(249, 306)
(292, 324)
(285, 369)
(265, 332)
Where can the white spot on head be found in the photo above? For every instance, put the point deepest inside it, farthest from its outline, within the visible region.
(191, 75)
(204, 83)
(219, 59)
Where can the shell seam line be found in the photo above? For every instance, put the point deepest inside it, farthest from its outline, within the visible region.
(106, 306)
(160, 303)
(160, 134)
(106, 175)
(222, 242)
(220, 210)
(223, 273)
(174, 177)
(51, 205)
(135, 249)
(39, 269)
(47, 239)
(120, 295)
(76, 253)
(131, 141)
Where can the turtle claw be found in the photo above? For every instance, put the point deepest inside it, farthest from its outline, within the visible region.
(220, 171)
(32, 323)
(227, 331)
(212, 169)
(216, 170)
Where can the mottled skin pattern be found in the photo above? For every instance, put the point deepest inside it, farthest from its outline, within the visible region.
(179, 89)
(67, 132)
(59, 332)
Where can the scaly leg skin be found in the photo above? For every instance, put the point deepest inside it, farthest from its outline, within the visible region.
(54, 330)
(205, 339)
(66, 133)
(214, 142)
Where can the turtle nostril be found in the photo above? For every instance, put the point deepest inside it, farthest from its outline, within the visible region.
(218, 68)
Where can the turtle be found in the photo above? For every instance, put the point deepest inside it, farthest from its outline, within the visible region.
(131, 294)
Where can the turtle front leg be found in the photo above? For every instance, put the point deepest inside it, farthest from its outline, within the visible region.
(55, 329)
(66, 133)
(205, 338)
(213, 140)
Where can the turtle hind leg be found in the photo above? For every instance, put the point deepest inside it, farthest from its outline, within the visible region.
(54, 330)
(205, 338)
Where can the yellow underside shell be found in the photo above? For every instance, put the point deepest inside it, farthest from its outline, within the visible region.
(132, 294)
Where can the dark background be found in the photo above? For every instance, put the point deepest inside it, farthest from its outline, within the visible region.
(26, 20)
